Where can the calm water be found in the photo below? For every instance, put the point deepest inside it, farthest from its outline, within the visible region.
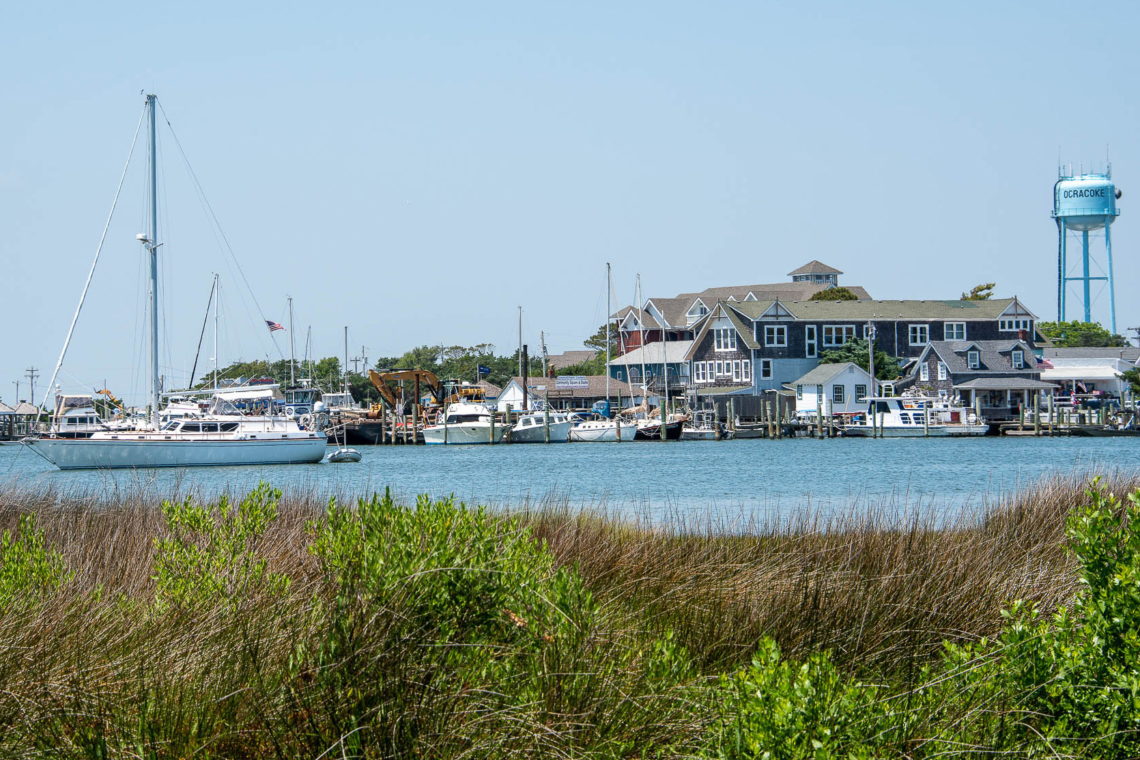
(751, 479)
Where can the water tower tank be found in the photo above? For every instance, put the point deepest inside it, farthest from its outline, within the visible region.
(1085, 202)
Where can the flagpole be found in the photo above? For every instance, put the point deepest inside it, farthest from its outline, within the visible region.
(292, 347)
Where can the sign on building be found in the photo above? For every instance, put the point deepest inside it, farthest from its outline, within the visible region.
(571, 381)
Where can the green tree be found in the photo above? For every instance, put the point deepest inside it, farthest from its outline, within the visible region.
(835, 294)
(1075, 333)
(597, 341)
(855, 351)
(1132, 376)
(982, 292)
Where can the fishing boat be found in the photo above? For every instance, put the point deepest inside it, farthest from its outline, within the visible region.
(534, 427)
(464, 422)
(213, 439)
(704, 426)
(603, 430)
(914, 417)
(76, 417)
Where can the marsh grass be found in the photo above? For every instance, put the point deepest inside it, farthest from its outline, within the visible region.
(622, 669)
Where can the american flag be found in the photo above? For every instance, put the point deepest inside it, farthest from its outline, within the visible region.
(273, 326)
(1044, 363)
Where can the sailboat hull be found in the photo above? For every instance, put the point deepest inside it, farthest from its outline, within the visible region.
(91, 454)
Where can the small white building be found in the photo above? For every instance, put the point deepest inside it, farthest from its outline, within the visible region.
(837, 388)
(562, 393)
(1084, 369)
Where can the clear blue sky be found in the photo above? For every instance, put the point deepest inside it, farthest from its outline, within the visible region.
(417, 171)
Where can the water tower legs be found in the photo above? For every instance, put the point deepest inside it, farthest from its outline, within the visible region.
(1111, 278)
(1085, 276)
(1062, 269)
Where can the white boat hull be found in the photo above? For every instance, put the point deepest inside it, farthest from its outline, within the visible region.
(915, 431)
(559, 433)
(462, 434)
(698, 434)
(593, 432)
(89, 454)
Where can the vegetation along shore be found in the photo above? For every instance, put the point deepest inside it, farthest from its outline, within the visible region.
(285, 626)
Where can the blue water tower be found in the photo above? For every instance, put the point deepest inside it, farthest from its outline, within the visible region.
(1084, 203)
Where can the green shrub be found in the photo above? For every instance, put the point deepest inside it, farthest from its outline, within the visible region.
(209, 556)
(28, 569)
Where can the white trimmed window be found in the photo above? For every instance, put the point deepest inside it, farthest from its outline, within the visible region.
(860, 392)
(888, 389)
(924, 372)
(746, 370)
(698, 372)
(941, 370)
(1018, 359)
(1013, 325)
(919, 335)
(765, 369)
(775, 335)
(736, 370)
(837, 394)
(799, 393)
(973, 359)
(724, 339)
(954, 331)
(837, 335)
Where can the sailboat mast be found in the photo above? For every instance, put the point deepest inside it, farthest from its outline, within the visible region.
(217, 303)
(641, 342)
(151, 243)
(292, 346)
(344, 370)
(608, 307)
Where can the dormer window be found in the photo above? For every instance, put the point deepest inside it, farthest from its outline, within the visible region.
(974, 359)
(1018, 358)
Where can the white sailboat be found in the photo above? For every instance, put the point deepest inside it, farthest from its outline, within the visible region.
(606, 429)
(212, 439)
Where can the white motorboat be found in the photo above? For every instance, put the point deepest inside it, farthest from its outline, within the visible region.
(75, 417)
(214, 439)
(592, 431)
(531, 428)
(704, 426)
(464, 422)
(914, 417)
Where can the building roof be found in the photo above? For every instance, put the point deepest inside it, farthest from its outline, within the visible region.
(25, 408)
(815, 267)
(824, 372)
(675, 351)
(1080, 373)
(5, 409)
(490, 390)
(886, 310)
(569, 358)
(995, 355)
(1005, 384)
(1127, 353)
(724, 390)
(547, 386)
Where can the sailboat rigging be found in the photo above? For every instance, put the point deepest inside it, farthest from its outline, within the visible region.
(224, 436)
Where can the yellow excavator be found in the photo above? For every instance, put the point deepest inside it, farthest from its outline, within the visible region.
(113, 400)
(384, 383)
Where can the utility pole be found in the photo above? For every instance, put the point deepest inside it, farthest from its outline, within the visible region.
(520, 348)
(32, 373)
(870, 332)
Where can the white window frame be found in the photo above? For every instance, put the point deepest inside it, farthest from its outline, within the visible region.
(724, 339)
(736, 370)
(776, 336)
(811, 341)
(941, 370)
(1017, 358)
(954, 331)
(838, 394)
(698, 372)
(922, 331)
(846, 332)
(860, 392)
(974, 359)
(746, 370)
(1013, 324)
(887, 389)
(765, 369)
(924, 372)
(799, 393)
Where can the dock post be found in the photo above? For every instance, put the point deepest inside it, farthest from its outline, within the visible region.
(491, 430)
(1037, 413)
(731, 416)
(1020, 415)
(819, 414)
(445, 424)
(415, 422)
(926, 419)
(617, 424)
(977, 408)
(545, 424)
(1050, 414)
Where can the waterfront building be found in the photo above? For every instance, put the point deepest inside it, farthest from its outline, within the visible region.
(997, 375)
(835, 388)
(1087, 369)
(565, 392)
